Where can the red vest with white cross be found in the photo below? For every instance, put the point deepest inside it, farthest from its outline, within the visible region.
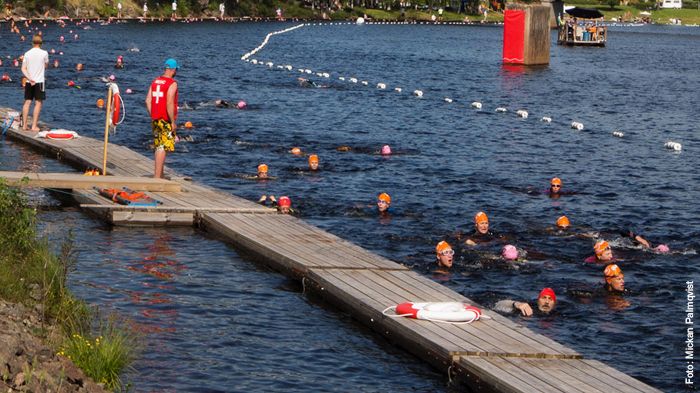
(159, 98)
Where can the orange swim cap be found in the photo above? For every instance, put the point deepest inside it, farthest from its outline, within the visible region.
(100, 103)
(313, 158)
(563, 222)
(296, 151)
(600, 247)
(384, 197)
(555, 181)
(188, 124)
(442, 246)
(480, 217)
(262, 168)
(612, 271)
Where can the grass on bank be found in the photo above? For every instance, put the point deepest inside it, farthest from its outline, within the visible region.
(32, 274)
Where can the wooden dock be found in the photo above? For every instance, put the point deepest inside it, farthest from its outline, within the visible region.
(493, 354)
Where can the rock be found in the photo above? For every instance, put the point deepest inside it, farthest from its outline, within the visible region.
(19, 380)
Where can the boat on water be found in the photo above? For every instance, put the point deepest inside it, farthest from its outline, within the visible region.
(583, 27)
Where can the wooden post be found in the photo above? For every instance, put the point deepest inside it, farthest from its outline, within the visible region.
(107, 125)
(526, 37)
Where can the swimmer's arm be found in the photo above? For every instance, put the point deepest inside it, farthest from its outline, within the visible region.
(172, 90)
(470, 242)
(506, 306)
(523, 307)
(642, 241)
(148, 101)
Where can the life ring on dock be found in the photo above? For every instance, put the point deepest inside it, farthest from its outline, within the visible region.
(450, 312)
(58, 134)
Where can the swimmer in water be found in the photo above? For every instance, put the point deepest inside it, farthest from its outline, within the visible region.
(5, 78)
(262, 172)
(222, 104)
(481, 232)
(303, 82)
(283, 205)
(313, 162)
(555, 188)
(614, 279)
(444, 255)
(546, 302)
(603, 253)
(120, 62)
(79, 67)
(383, 203)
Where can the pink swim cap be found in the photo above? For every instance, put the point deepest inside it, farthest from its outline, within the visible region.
(129, 91)
(386, 150)
(112, 77)
(241, 104)
(662, 248)
(509, 253)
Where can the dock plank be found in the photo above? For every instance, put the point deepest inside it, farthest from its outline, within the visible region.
(79, 181)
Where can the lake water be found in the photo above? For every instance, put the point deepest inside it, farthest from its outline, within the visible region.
(214, 321)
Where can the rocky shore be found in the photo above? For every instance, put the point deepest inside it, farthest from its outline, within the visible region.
(27, 364)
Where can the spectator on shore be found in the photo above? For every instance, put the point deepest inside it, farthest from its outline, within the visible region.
(546, 301)
(34, 65)
(222, 8)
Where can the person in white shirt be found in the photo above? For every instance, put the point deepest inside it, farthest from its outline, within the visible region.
(221, 9)
(145, 9)
(174, 5)
(35, 62)
(119, 10)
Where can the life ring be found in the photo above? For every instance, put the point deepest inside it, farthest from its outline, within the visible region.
(58, 134)
(116, 105)
(452, 312)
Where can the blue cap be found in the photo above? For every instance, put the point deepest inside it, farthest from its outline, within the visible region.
(172, 64)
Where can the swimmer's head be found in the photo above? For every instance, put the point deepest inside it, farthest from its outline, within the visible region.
(555, 185)
(296, 151)
(383, 202)
(445, 254)
(313, 162)
(481, 222)
(509, 252)
(262, 170)
(284, 204)
(563, 222)
(386, 150)
(79, 67)
(100, 103)
(546, 300)
(614, 278)
(662, 249)
(112, 77)
(188, 124)
(603, 251)
(241, 104)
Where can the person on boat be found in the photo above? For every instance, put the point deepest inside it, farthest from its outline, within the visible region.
(120, 62)
(161, 104)
(383, 203)
(546, 302)
(481, 232)
(313, 162)
(603, 253)
(444, 255)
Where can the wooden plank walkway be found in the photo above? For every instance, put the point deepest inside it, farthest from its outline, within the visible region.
(74, 181)
(493, 354)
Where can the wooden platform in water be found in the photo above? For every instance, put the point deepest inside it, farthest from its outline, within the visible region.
(76, 181)
(493, 354)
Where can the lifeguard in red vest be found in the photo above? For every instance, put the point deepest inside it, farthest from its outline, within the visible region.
(161, 103)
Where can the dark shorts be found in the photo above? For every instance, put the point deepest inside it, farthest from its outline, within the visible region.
(36, 92)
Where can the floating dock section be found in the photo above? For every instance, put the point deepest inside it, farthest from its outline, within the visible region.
(493, 354)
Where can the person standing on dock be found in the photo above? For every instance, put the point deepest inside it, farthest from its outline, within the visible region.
(33, 66)
(222, 8)
(161, 103)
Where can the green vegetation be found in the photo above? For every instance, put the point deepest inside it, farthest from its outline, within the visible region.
(31, 274)
(630, 12)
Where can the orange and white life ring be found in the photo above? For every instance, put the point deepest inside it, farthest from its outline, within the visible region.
(116, 105)
(58, 134)
(452, 312)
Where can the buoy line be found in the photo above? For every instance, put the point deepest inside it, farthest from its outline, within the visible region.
(418, 93)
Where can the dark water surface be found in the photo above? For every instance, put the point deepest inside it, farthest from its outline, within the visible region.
(216, 322)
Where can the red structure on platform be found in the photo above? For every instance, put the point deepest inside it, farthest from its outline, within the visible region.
(513, 36)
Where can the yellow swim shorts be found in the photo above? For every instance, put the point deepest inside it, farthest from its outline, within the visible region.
(163, 135)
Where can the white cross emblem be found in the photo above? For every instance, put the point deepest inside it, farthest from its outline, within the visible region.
(157, 94)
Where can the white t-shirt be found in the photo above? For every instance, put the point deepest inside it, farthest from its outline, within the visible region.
(36, 60)
(119, 5)
(221, 7)
(174, 6)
